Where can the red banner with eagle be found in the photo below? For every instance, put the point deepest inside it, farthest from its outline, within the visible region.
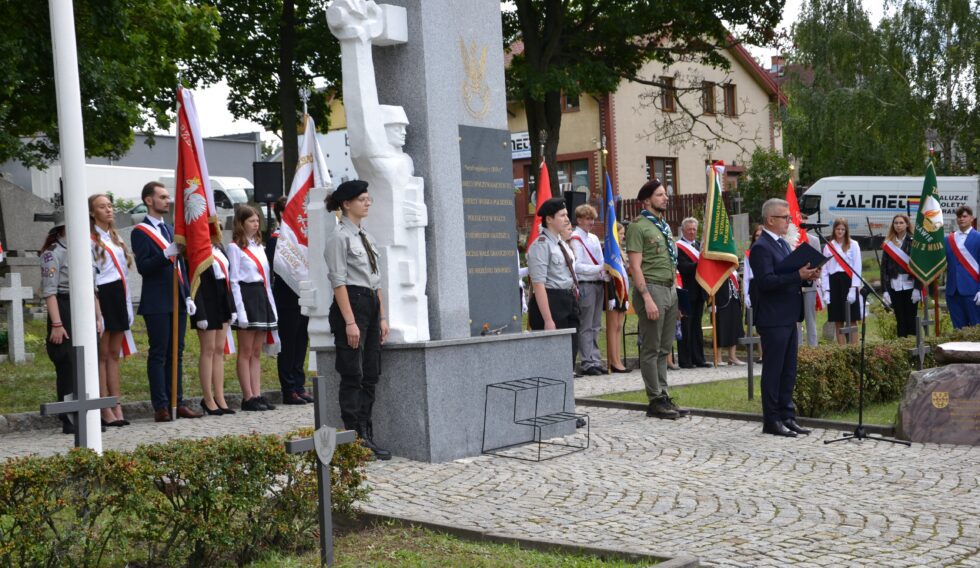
(195, 219)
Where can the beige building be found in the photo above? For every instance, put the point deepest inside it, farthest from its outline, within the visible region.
(649, 131)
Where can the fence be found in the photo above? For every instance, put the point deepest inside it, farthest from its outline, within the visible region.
(678, 208)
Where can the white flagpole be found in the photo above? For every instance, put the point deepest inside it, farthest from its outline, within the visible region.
(75, 196)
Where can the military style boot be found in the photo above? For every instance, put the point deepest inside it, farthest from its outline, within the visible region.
(366, 432)
(682, 412)
(660, 408)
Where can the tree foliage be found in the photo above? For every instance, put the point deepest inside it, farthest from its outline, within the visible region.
(579, 46)
(268, 50)
(129, 52)
(765, 178)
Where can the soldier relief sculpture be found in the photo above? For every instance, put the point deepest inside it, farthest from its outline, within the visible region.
(377, 136)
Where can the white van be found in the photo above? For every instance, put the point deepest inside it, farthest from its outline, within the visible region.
(874, 201)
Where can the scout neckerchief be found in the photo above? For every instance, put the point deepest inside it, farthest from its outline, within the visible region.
(966, 260)
(229, 337)
(662, 225)
(272, 336)
(571, 269)
(129, 344)
(154, 235)
(838, 255)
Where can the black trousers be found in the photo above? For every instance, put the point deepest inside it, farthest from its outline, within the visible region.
(779, 362)
(62, 354)
(359, 368)
(904, 312)
(690, 347)
(159, 361)
(564, 312)
(294, 337)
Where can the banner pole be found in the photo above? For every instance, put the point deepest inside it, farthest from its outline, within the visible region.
(935, 306)
(714, 327)
(173, 346)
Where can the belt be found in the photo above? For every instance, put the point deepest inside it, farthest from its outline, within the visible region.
(664, 283)
(591, 282)
(560, 290)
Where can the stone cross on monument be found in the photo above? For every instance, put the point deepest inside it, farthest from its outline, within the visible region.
(15, 294)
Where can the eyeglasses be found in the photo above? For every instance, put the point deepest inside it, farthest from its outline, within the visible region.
(783, 217)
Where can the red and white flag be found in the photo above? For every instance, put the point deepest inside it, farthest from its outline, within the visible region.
(544, 194)
(795, 236)
(195, 219)
(291, 262)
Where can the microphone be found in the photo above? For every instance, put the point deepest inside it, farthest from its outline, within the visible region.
(813, 225)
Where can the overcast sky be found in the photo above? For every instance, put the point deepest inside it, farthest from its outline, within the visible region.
(212, 103)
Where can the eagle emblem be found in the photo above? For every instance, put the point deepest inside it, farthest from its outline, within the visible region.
(194, 203)
(940, 399)
(476, 92)
(932, 215)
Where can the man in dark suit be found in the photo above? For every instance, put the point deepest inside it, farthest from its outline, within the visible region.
(690, 347)
(156, 255)
(777, 302)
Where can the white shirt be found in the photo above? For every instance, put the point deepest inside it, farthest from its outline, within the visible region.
(852, 257)
(219, 274)
(904, 281)
(960, 237)
(106, 269)
(158, 225)
(585, 269)
(241, 268)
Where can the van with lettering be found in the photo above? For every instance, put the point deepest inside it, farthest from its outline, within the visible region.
(868, 203)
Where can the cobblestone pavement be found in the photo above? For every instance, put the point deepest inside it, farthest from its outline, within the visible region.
(589, 386)
(716, 489)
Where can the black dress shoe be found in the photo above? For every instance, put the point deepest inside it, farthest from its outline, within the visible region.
(777, 429)
(293, 398)
(792, 425)
(705, 365)
(623, 370)
(306, 396)
(688, 367)
(216, 412)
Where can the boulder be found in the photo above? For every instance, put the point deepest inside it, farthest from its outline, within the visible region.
(958, 352)
(942, 405)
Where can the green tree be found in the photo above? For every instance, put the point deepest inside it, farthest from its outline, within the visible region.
(129, 52)
(579, 46)
(268, 51)
(853, 112)
(765, 178)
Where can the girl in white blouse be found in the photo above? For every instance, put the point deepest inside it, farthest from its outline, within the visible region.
(841, 279)
(255, 310)
(112, 260)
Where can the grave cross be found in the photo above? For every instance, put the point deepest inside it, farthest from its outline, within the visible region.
(750, 341)
(15, 293)
(325, 439)
(848, 329)
(920, 350)
(82, 403)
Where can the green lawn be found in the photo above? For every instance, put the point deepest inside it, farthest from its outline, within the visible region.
(392, 545)
(733, 396)
(24, 387)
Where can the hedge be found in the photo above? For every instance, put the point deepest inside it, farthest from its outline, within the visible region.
(827, 375)
(213, 502)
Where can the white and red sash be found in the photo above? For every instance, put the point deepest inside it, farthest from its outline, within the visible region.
(272, 336)
(587, 251)
(129, 343)
(229, 336)
(965, 259)
(839, 257)
(898, 255)
(689, 250)
(160, 242)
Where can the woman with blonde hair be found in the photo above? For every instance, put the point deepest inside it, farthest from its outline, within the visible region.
(841, 279)
(112, 260)
(255, 309)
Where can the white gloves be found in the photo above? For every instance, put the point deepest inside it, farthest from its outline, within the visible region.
(242, 319)
(887, 298)
(234, 320)
(191, 306)
(916, 296)
(852, 296)
(748, 302)
(202, 324)
(976, 299)
(171, 250)
(826, 298)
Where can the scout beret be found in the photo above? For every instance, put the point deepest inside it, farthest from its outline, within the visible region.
(550, 207)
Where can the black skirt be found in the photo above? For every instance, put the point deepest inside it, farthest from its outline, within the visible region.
(258, 310)
(112, 301)
(840, 285)
(611, 297)
(214, 302)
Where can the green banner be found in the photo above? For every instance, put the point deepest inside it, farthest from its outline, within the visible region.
(928, 256)
(719, 253)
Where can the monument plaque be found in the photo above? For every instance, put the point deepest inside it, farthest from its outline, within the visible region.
(942, 406)
(491, 240)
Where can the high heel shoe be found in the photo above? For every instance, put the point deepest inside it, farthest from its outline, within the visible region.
(226, 410)
(216, 412)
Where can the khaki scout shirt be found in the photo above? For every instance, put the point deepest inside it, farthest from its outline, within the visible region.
(546, 263)
(348, 261)
(644, 237)
(54, 270)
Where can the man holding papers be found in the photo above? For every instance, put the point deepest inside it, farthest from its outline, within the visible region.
(778, 304)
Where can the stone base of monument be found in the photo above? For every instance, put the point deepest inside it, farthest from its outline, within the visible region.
(432, 399)
(942, 405)
(958, 352)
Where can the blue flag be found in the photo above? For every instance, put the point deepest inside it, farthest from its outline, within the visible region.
(612, 249)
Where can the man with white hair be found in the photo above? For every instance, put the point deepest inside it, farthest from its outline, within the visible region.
(690, 347)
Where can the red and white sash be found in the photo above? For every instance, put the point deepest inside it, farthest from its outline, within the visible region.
(965, 258)
(229, 336)
(587, 251)
(689, 250)
(838, 255)
(158, 239)
(898, 255)
(129, 344)
(272, 336)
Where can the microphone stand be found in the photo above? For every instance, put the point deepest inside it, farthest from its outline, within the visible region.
(860, 433)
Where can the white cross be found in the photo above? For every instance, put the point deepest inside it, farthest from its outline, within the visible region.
(15, 293)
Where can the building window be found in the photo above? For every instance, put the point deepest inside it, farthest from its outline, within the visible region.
(668, 95)
(708, 97)
(664, 169)
(731, 103)
(569, 103)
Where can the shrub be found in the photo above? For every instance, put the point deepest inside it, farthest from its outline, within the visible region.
(181, 503)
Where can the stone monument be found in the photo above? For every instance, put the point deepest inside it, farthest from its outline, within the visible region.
(15, 294)
(942, 405)
(448, 242)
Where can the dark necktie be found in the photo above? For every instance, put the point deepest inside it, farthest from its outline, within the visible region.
(370, 252)
(783, 246)
(571, 270)
(167, 232)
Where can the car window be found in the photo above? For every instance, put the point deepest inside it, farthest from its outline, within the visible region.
(141, 208)
(221, 200)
